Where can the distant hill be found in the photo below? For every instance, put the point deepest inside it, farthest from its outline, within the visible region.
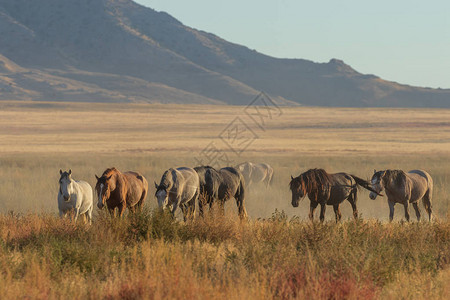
(119, 51)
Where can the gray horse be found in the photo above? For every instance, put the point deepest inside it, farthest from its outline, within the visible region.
(74, 196)
(221, 185)
(256, 173)
(404, 188)
(179, 187)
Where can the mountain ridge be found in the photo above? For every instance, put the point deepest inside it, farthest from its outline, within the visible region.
(88, 44)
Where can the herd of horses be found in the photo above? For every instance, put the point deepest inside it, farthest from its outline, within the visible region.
(204, 185)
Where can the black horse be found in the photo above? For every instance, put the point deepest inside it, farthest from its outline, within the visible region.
(327, 189)
(221, 185)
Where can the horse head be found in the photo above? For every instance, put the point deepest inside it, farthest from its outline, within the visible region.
(103, 188)
(297, 188)
(162, 195)
(164, 187)
(65, 184)
(377, 183)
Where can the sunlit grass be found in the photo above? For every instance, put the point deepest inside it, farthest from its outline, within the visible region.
(149, 255)
(276, 253)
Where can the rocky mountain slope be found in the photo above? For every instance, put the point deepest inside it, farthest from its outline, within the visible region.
(117, 50)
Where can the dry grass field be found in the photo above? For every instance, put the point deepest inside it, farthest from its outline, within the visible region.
(277, 253)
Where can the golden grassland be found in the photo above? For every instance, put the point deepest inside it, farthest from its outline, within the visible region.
(277, 253)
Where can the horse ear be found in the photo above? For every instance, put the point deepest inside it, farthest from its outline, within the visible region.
(292, 178)
(156, 185)
(60, 172)
(374, 171)
(70, 171)
(97, 177)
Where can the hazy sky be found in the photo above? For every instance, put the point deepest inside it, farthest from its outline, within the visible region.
(403, 41)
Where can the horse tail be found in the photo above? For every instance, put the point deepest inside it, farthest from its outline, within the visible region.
(363, 183)
(241, 190)
(240, 197)
(427, 198)
(355, 193)
(144, 190)
(271, 177)
(191, 204)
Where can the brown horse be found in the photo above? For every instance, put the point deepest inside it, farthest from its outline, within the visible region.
(327, 189)
(120, 190)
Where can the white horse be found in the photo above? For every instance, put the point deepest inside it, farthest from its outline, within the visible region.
(74, 196)
(256, 173)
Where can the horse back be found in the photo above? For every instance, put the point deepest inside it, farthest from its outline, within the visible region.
(231, 180)
(186, 183)
(86, 196)
(341, 187)
(246, 170)
(423, 174)
(85, 188)
(341, 179)
(136, 185)
(421, 182)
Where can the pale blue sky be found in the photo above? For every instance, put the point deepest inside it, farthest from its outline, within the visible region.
(403, 41)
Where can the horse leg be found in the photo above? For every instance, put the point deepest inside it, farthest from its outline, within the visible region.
(112, 211)
(77, 213)
(427, 204)
(142, 200)
(337, 212)
(191, 211)
(323, 207)
(406, 205)
(241, 209)
(416, 208)
(184, 211)
(240, 204)
(353, 199)
(391, 210)
(312, 208)
(121, 207)
(89, 215)
(222, 207)
(201, 202)
(174, 208)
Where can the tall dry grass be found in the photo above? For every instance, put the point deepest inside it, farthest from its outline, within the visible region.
(277, 253)
(152, 256)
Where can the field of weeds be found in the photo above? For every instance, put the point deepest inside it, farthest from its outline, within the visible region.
(152, 256)
(275, 254)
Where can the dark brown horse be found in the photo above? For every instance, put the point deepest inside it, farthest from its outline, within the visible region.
(327, 189)
(219, 186)
(120, 190)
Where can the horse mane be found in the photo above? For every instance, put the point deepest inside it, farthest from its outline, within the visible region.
(110, 171)
(398, 177)
(107, 173)
(312, 181)
(315, 179)
(165, 181)
(64, 174)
